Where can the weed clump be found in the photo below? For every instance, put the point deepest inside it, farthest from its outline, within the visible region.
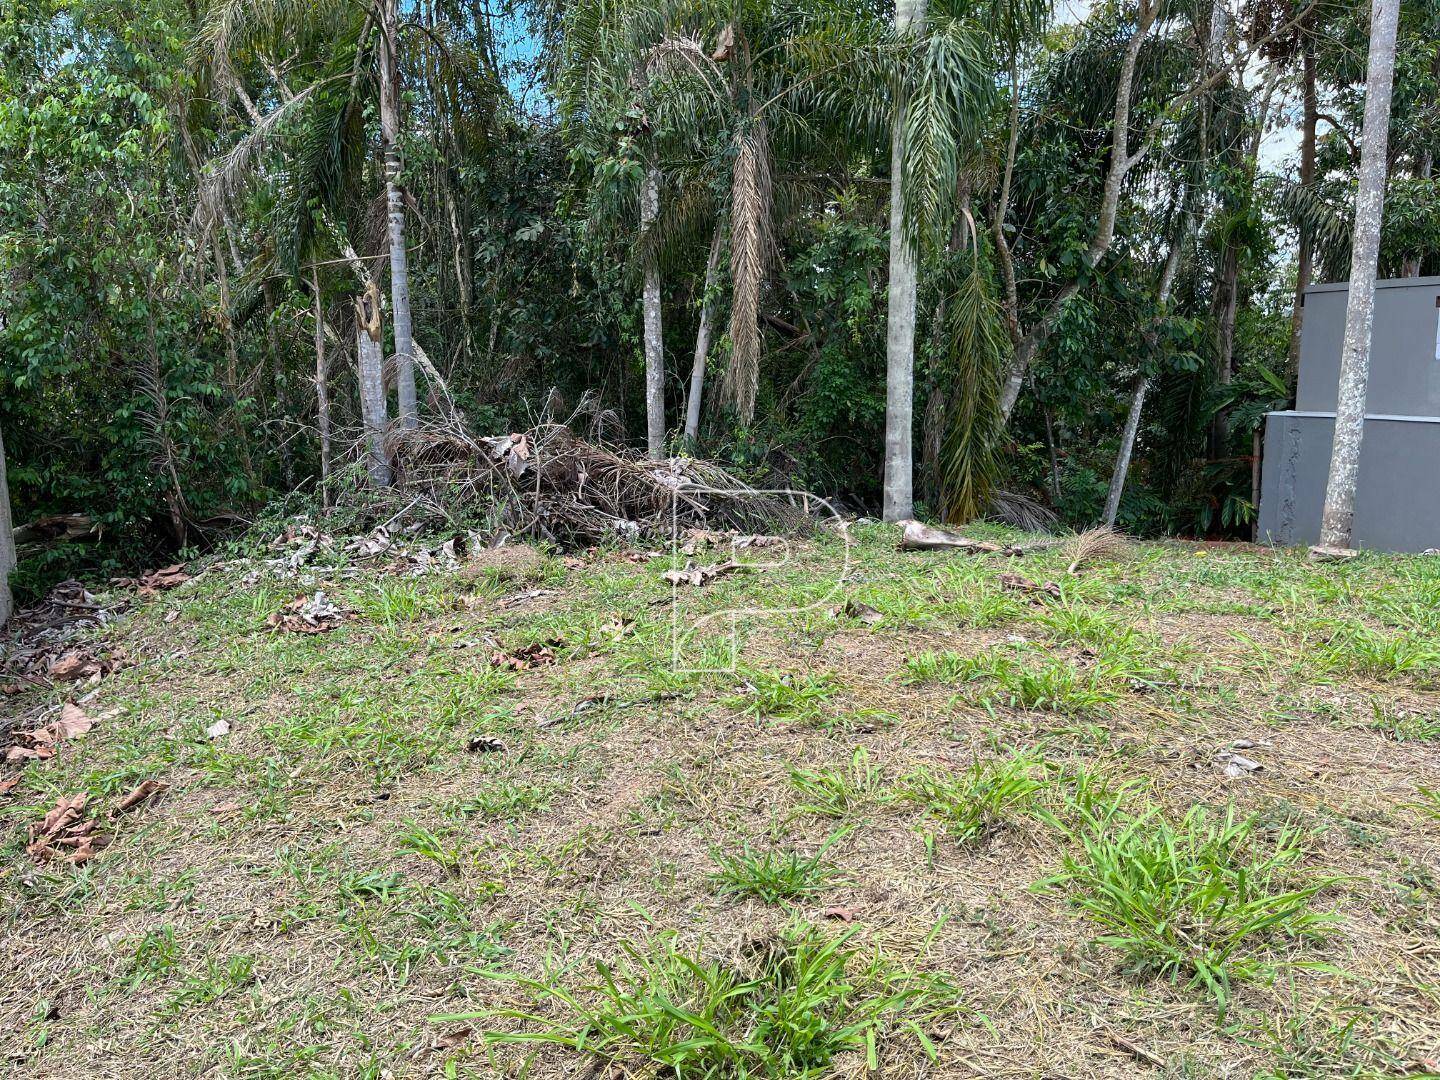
(788, 1010)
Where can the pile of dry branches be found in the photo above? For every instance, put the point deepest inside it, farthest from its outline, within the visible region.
(549, 484)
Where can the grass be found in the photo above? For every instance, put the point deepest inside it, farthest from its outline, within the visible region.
(772, 876)
(1205, 900)
(788, 1011)
(840, 793)
(972, 804)
(395, 828)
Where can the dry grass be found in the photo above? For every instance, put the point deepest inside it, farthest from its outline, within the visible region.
(340, 868)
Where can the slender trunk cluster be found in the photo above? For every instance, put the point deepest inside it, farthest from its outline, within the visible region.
(899, 478)
(1337, 519)
(1141, 385)
(1304, 255)
(322, 387)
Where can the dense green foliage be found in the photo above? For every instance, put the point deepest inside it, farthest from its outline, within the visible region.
(176, 179)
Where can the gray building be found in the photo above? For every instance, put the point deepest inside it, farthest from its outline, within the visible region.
(1397, 502)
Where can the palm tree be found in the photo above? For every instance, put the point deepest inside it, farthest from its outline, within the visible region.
(1338, 518)
(899, 479)
(389, 70)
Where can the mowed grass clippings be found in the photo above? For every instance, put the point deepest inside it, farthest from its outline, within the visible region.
(1175, 817)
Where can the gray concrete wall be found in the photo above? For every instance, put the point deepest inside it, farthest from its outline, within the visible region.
(1397, 501)
(1404, 368)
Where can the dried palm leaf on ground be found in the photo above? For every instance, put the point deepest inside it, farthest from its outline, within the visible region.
(917, 536)
(549, 484)
(1098, 545)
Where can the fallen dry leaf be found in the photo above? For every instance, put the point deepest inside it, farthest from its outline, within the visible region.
(218, 729)
(74, 666)
(142, 792)
(536, 654)
(9, 784)
(844, 914)
(451, 1039)
(308, 615)
(1020, 583)
(701, 575)
(863, 612)
(166, 578)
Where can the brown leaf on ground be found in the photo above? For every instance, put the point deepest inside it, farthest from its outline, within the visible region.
(863, 613)
(702, 575)
(9, 784)
(74, 666)
(73, 722)
(1020, 583)
(63, 834)
(165, 578)
(844, 914)
(29, 753)
(142, 792)
(451, 1039)
(536, 654)
(308, 615)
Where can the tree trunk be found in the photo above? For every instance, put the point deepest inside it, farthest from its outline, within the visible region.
(1305, 255)
(370, 360)
(322, 389)
(1127, 449)
(702, 337)
(395, 215)
(654, 338)
(899, 480)
(749, 225)
(1151, 338)
(7, 541)
(1337, 521)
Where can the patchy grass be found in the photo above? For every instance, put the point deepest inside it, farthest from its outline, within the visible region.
(987, 833)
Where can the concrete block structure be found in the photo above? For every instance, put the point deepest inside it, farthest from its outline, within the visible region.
(1397, 502)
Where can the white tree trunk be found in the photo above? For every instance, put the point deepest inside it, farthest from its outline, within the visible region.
(7, 541)
(1142, 381)
(702, 337)
(370, 361)
(899, 479)
(1337, 521)
(395, 216)
(654, 337)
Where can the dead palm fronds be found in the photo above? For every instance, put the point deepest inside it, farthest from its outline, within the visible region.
(1098, 545)
(750, 210)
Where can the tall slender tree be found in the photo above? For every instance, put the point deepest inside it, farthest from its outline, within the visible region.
(899, 477)
(1337, 522)
(395, 213)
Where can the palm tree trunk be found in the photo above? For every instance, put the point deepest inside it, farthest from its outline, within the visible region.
(654, 337)
(1304, 256)
(749, 236)
(702, 336)
(395, 215)
(7, 542)
(1338, 519)
(370, 361)
(899, 479)
(322, 388)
